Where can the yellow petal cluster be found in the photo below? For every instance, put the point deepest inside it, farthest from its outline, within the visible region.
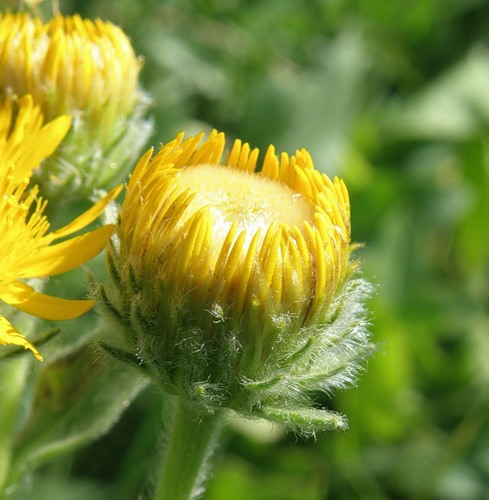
(256, 245)
(67, 64)
(27, 248)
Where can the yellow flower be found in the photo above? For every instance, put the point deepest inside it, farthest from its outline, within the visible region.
(214, 229)
(233, 285)
(69, 64)
(27, 248)
(87, 69)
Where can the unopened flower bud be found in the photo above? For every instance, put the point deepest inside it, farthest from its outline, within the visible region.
(86, 69)
(236, 288)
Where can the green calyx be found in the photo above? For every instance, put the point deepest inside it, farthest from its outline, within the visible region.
(260, 370)
(91, 158)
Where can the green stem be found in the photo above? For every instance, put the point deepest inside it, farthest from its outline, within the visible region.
(13, 373)
(192, 438)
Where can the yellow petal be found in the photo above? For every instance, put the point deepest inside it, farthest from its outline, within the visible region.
(26, 299)
(38, 141)
(89, 216)
(65, 256)
(10, 336)
(48, 139)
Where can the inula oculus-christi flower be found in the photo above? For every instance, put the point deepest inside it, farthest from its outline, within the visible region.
(236, 287)
(87, 69)
(27, 248)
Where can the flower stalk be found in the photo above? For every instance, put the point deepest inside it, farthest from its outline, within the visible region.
(190, 442)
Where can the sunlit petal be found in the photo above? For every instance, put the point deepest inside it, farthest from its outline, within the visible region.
(49, 137)
(26, 245)
(65, 256)
(89, 216)
(10, 336)
(26, 299)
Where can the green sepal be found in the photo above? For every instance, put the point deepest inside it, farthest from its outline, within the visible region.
(296, 356)
(92, 157)
(124, 357)
(318, 378)
(305, 421)
(106, 307)
(112, 268)
(261, 385)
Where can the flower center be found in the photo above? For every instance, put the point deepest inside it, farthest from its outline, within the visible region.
(251, 201)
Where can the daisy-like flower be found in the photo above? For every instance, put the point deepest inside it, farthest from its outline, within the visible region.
(27, 248)
(235, 287)
(87, 69)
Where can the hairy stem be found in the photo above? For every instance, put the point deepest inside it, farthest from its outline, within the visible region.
(191, 439)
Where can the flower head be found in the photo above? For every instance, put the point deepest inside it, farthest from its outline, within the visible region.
(27, 248)
(236, 282)
(84, 68)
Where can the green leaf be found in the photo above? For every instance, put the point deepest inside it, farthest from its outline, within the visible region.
(452, 107)
(79, 398)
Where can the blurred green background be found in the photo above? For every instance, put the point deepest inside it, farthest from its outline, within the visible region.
(394, 97)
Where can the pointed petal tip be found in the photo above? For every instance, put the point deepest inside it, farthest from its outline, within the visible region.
(24, 298)
(10, 336)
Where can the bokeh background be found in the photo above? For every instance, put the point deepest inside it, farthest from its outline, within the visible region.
(394, 97)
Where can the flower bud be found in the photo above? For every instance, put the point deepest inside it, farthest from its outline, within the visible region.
(86, 69)
(233, 287)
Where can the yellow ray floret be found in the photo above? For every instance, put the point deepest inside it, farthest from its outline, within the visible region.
(210, 226)
(27, 248)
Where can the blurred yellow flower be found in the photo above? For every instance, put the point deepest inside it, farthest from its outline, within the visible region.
(25, 244)
(86, 69)
(69, 63)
